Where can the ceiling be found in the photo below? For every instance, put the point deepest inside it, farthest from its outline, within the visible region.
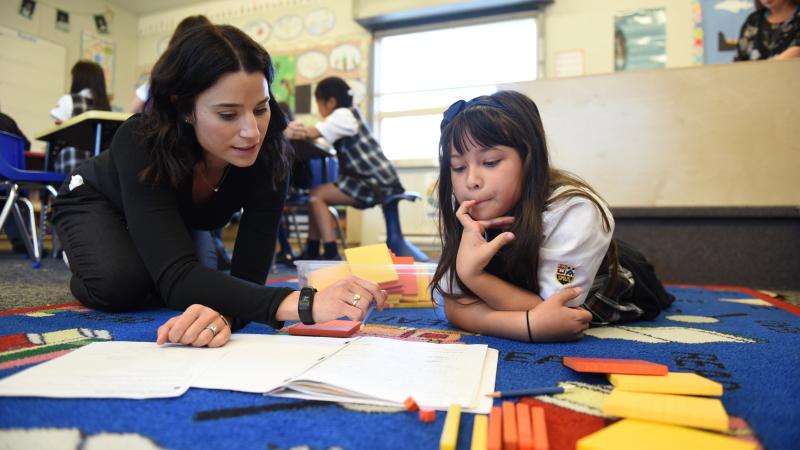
(144, 7)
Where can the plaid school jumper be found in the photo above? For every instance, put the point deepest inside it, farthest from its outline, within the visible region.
(364, 171)
(69, 158)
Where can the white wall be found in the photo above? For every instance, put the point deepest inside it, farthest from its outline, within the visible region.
(156, 29)
(122, 30)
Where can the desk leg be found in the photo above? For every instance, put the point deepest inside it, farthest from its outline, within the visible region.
(47, 157)
(97, 134)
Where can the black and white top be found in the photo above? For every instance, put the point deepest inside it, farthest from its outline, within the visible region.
(760, 39)
(364, 171)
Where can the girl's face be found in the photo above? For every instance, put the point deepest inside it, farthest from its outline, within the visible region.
(325, 107)
(493, 176)
(231, 117)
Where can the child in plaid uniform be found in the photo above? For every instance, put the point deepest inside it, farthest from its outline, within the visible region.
(88, 92)
(366, 176)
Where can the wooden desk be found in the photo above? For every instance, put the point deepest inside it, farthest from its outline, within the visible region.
(91, 129)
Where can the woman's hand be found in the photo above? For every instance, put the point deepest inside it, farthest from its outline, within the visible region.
(349, 297)
(198, 326)
(552, 320)
(474, 252)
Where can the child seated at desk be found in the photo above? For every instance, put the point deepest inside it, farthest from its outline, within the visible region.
(88, 92)
(527, 249)
(366, 176)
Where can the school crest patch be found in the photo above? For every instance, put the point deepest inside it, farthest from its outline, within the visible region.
(565, 273)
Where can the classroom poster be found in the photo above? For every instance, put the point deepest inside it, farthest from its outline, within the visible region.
(721, 22)
(99, 50)
(283, 86)
(640, 39)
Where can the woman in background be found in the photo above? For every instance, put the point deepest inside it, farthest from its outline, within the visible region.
(772, 31)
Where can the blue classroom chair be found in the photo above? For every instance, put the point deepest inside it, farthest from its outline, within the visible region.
(13, 179)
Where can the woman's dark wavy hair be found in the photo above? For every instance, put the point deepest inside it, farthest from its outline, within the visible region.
(334, 87)
(89, 75)
(192, 64)
(516, 124)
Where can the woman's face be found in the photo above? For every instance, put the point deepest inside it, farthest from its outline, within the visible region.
(231, 117)
(774, 4)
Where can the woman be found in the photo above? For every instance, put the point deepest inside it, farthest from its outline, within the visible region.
(210, 145)
(772, 31)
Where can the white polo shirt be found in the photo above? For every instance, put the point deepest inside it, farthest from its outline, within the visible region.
(63, 109)
(574, 245)
(340, 123)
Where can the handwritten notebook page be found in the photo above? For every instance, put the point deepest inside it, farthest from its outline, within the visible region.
(387, 371)
(134, 370)
(260, 363)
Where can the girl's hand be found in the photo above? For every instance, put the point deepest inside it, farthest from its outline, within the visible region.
(350, 297)
(295, 130)
(198, 326)
(474, 252)
(552, 320)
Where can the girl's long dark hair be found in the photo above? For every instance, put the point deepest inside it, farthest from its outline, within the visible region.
(89, 75)
(189, 66)
(515, 123)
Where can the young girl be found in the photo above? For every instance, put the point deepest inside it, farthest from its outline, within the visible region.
(87, 92)
(365, 175)
(210, 144)
(524, 244)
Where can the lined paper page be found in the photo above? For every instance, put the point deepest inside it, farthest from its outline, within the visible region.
(436, 375)
(134, 370)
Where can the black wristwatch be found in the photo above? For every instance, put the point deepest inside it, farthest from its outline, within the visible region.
(305, 304)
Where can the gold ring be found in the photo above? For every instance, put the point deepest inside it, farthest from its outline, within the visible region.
(356, 298)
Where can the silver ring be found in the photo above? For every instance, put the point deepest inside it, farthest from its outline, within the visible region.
(212, 327)
(356, 299)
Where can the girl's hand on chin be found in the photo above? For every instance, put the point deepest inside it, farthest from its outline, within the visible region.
(474, 252)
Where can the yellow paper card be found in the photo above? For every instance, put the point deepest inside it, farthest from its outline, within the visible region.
(372, 262)
(423, 292)
(699, 412)
(322, 278)
(672, 383)
(630, 434)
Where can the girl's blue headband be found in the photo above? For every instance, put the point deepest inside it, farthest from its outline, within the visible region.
(456, 108)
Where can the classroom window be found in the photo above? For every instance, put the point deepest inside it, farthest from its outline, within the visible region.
(419, 72)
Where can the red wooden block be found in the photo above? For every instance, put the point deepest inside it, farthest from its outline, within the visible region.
(427, 415)
(611, 365)
(411, 404)
(524, 426)
(510, 437)
(540, 441)
(495, 438)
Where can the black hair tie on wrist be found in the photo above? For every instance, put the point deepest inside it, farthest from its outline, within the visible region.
(528, 323)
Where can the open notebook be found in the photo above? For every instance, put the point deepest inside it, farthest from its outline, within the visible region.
(369, 370)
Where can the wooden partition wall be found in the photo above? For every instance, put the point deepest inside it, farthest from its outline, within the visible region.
(715, 135)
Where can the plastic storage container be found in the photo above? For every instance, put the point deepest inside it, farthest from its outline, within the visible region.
(407, 284)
